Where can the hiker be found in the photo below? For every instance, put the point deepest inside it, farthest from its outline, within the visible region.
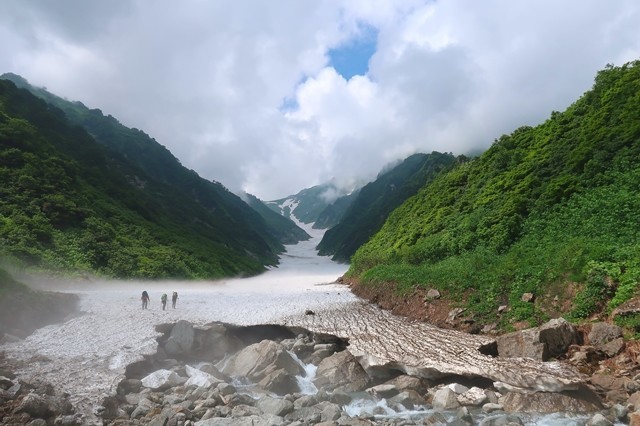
(145, 299)
(163, 299)
(174, 299)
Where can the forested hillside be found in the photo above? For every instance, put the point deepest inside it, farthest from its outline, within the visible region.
(282, 228)
(68, 203)
(553, 210)
(376, 200)
(158, 162)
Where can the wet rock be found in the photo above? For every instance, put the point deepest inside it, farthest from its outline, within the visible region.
(434, 419)
(474, 397)
(501, 420)
(408, 399)
(280, 382)
(383, 391)
(259, 359)
(464, 416)
(583, 401)
(341, 371)
(490, 407)
(599, 420)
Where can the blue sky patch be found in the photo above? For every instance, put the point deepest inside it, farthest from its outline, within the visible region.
(352, 58)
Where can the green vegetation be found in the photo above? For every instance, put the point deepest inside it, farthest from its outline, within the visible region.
(282, 228)
(376, 200)
(553, 210)
(68, 203)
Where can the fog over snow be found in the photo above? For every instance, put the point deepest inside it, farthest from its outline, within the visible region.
(272, 97)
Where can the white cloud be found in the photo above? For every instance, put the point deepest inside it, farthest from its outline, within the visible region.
(208, 79)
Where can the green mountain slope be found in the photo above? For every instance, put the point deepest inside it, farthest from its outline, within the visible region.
(69, 203)
(333, 213)
(553, 210)
(376, 200)
(158, 162)
(281, 227)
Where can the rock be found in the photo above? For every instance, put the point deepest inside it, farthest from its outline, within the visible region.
(143, 408)
(276, 406)
(634, 401)
(34, 405)
(226, 389)
(634, 419)
(599, 420)
(329, 411)
(502, 309)
(309, 312)
(433, 294)
(445, 399)
(341, 371)
(474, 396)
(279, 382)
(162, 380)
(528, 298)
(200, 378)
(501, 420)
(549, 340)
(620, 412)
(406, 382)
(434, 419)
(262, 420)
(408, 398)
(583, 401)
(259, 359)
(245, 411)
(602, 333)
(453, 314)
(128, 386)
(464, 415)
(490, 407)
(180, 340)
(613, 347)
(383, 391)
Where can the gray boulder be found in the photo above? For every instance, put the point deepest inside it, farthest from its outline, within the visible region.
(549, 340)
(276, 406)
(341, 371)
(445, 399)
(34, 405)
(162, 380)
(258, 360)
(602, 332)
(180, 341)
(583, 401)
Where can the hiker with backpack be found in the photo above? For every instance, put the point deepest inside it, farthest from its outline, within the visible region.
(174, 299)
(145, 299)
(163, 299)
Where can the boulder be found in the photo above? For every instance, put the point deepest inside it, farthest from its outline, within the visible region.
(279, 382)
(433, 294)
(549, 340)
(162, 379)
(276, 406)
(259, 359)
(406, 382)
(501, 420)
(341, 371)
(583, 401)
(528, 297)
(180, 341)
(602, 332)
(408, 399)
(34, 405)
(599, 420)
(474, 397)
(445, 399)
(383, 391)
(614, 347)
(200, 378)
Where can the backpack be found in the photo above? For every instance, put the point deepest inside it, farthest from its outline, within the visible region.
(164, 297)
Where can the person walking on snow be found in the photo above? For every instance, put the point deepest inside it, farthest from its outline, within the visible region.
(174, 299)
(163, 299)
(145, 299)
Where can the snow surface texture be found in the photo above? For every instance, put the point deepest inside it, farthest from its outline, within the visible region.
(86, 355)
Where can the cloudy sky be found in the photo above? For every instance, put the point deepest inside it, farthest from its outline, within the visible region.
(274, 96)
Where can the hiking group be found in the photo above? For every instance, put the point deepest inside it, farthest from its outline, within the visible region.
(163, 299)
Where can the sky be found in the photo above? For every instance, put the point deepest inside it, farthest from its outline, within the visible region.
(270, 97)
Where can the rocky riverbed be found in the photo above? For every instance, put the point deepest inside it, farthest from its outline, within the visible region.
(353, 363)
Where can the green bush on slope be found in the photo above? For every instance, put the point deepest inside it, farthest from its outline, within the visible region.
(544, 209)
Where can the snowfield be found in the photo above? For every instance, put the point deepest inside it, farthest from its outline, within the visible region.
(86, 355)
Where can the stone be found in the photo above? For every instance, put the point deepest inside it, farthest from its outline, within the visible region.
(634, 419)
(406, 382)
(445, 399)
(502, 308)
(613, 348)
(434, 419)
(599, 420)
(279, 382)
(458, 388)
(181, 339)
(276, 406)
(583, 401)
(383, 391)
(528, 298)
(408, 399)
(463, 414)
(634, 401)
(549, 340)
(329, 411)
(602, 332)
(501, 420)
(261, 420)
(162, 379)
(144, 407)
(244, 411)
(341, 371)
(453, 314)
(474, 397)
(34, 405)
(200, 378)
(433, 294)
(490, 407)
(226, 389)
(259, 359)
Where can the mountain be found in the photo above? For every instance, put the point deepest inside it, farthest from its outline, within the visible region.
(331, 215)
(552, 210)
(376, 200)
(282, 228)
(70, 203)
(158, 162)
(308, 204)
